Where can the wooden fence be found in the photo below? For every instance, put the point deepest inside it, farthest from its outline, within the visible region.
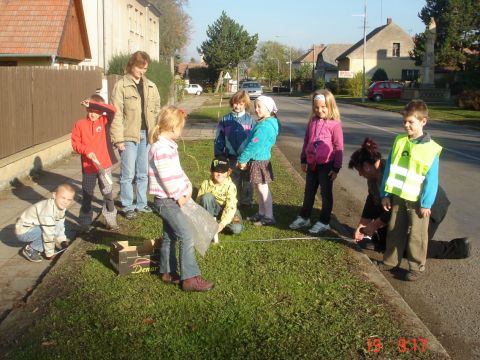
(39, 104)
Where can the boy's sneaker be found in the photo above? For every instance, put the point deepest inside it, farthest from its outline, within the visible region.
(382, 266)
(86, 228)
(113, 227)
(31, 254)
(256, 217)
(413, 275)
(367, 243)
(318, 227)
(264, 221)
(146, 209)
(130, 214)
(215, 239)
(299, 222)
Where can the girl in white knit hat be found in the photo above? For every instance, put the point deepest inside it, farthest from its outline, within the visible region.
(257, 154)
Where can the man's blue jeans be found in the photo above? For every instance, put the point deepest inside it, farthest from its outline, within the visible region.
(134, 165)
(213, 207)
(175, 227)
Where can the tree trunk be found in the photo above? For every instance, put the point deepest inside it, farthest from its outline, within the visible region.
(219, 81)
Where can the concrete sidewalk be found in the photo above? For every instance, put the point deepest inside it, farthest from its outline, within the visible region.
(18, 277)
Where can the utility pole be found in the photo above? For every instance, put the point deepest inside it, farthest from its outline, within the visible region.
(364, 46)
(290, 70)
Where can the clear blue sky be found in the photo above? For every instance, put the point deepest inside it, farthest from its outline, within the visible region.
(302, 23)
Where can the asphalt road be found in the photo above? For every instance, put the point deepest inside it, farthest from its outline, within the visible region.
(447, 298)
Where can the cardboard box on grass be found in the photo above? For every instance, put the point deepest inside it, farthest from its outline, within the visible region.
(128, 259)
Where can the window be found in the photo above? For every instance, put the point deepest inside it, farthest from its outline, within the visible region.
(409, 74)
(396, 50)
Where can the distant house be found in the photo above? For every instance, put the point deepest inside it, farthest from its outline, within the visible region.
(326, 68)
(387, 47)
(309, 58)
(121, 27)
(42, 32)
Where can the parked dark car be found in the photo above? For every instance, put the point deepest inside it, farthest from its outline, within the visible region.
(380, 90)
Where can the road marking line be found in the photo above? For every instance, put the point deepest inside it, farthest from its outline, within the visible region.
(396, 133)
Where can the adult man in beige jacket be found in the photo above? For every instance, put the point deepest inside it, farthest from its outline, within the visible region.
(138, 103)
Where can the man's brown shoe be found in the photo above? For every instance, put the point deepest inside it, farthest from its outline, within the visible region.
(170, 278)
(196, 283)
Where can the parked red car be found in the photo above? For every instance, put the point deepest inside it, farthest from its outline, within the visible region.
(380, 90)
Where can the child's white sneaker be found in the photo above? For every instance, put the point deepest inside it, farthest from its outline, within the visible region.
(318, 227)
(215, 239)
(299, 222)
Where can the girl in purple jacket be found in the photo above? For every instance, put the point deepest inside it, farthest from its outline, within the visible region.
(321, 160)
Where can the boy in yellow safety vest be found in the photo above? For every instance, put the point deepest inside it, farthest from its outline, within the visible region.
(410, 184)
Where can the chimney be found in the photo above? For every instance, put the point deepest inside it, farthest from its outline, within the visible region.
(389, 21)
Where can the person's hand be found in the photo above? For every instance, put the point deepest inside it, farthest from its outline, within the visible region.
(332, 174)
(64, 244)
(425, 212)
(242, 166)
(358, 235)
(220, 227)
(386, 203)
(304, 167)
(182, 200)
(92, 156)
(120, 146)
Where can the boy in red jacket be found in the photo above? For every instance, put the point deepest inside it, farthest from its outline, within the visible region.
(89, 139)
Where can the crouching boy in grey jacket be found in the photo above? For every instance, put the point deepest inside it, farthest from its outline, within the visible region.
(42, 225)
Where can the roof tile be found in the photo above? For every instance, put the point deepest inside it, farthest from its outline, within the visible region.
(32, 26)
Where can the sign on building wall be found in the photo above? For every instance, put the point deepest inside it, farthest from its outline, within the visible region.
(345, 74)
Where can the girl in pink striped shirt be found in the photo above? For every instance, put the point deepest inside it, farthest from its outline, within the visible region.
(172, 189)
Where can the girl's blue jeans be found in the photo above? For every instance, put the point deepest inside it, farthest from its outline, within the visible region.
(175, 227)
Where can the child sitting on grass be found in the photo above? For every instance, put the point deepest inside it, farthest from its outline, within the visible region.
(42, 225)
(218, 196)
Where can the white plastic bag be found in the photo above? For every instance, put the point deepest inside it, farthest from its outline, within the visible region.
(203, 225)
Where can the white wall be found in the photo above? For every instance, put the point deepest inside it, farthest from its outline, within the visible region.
(119, 27)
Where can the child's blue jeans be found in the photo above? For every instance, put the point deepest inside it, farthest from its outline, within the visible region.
(34, 237)
(213, 207)
(175, 227)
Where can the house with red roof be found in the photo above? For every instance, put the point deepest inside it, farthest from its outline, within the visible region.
(42, 32)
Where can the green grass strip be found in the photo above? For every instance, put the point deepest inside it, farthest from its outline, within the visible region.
(272, 300)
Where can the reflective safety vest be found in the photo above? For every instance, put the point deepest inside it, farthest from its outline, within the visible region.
(409, 164)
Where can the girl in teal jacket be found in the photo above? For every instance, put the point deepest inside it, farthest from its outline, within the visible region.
(257, 154)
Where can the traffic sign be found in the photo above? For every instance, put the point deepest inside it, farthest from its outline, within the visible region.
(227, 76)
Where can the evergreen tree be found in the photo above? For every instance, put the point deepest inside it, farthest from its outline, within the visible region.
(227, 44)
(458, 33)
